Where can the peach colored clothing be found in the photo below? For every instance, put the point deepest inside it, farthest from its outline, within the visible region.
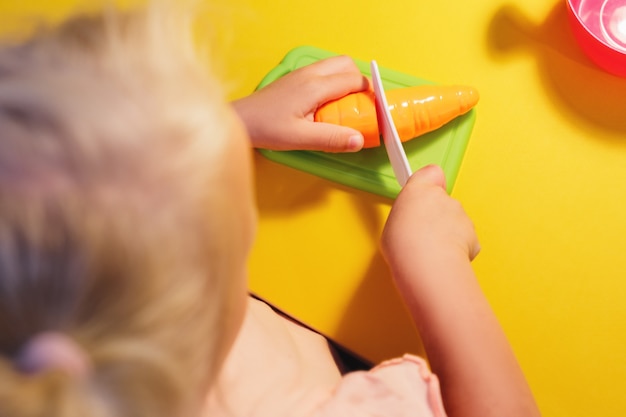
(401, 387)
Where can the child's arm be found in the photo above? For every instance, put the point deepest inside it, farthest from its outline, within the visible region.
(429, 242)
(280, 115)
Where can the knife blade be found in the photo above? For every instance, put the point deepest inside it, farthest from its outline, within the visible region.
(393, 145)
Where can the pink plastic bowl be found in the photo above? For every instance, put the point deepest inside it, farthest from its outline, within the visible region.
(600, 29)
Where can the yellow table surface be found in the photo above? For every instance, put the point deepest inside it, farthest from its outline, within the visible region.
(544, 179)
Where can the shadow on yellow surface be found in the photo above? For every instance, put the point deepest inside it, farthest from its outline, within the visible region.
(276, 194)
(364, 303)
(371, 313)
(582, 91)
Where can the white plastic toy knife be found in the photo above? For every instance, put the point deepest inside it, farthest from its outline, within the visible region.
(395, 151)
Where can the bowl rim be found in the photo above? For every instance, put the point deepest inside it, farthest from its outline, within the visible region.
(603, 42)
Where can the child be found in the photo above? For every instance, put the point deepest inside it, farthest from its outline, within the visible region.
(126, 216)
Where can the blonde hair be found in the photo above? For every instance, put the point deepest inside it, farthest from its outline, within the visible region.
(113, 215)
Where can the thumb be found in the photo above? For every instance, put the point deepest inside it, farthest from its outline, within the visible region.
(431, 175)
(331, 138)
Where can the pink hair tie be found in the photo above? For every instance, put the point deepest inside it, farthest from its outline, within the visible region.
(53, 351)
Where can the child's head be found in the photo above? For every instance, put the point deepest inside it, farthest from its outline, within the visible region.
(125, 219)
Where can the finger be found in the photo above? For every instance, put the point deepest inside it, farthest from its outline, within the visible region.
(474, 251)
(430, 174)
(329, 138)
(335, 86)
(332, 65)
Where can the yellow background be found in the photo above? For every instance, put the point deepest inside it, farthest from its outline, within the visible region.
(544, 179)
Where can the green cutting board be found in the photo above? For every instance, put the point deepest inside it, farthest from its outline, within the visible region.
(369, 169)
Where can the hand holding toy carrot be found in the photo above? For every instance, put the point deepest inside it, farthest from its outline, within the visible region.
(280, 115)
(415, 110)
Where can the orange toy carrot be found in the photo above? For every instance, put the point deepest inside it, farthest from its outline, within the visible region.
(415, 110)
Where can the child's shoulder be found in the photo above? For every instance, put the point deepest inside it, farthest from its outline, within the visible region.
(399, 387)
(402, 387)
